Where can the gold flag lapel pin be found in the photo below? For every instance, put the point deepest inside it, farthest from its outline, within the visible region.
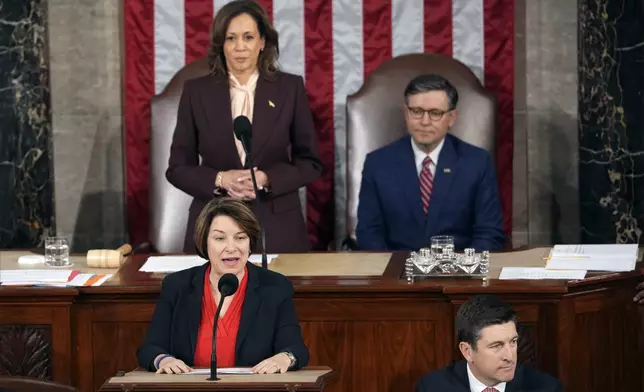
(271, 104)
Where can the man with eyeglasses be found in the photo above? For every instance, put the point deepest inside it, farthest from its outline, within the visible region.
(430, 182)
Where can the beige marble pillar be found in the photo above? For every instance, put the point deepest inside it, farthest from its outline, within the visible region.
(87, 106)
(546, 195)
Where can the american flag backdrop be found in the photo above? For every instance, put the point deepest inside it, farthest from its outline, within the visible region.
(334, 45)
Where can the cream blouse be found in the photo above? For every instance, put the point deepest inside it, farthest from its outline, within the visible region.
(242, 100)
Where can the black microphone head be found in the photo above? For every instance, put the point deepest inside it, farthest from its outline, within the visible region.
(228, 285)
(243, 129)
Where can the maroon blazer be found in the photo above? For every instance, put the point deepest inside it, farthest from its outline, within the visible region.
(284, 146)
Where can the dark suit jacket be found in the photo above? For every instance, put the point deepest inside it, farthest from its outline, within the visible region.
(268, 322)
(464, 202)
(454, 379)
(284, 146)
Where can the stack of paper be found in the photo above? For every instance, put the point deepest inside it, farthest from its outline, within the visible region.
(611, 257)
(25, 277)
(231, 370)
(167, 264)
(56, 278)
(514, 273)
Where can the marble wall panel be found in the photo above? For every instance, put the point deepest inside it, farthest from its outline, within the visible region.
(26, 187)
(87, 105)
(611, 109)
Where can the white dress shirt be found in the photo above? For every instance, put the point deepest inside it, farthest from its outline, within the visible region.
(477, 386)
(420, 155)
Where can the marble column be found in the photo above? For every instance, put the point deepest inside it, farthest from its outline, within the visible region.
(87, 121)
(611, 120)
(545, 201)
(26, 202)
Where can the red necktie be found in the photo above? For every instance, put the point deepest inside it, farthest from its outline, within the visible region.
(490, 389)
(426, 183)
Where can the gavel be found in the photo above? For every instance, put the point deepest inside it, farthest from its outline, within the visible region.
(107, 258)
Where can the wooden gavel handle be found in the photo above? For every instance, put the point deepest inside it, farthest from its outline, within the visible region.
(125, 249)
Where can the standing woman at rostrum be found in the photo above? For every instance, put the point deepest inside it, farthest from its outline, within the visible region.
(245, 81)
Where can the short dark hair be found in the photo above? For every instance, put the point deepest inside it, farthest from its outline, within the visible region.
(267, 62)
(235, 209)
(478, 312)
(432, 82)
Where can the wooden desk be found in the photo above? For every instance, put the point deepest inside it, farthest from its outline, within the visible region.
(312, 379)
(376, 331)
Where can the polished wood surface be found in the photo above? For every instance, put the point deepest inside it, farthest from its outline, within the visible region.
(308, 379)
(377, 332)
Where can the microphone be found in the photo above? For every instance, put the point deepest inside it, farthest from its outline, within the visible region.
(228, 284)
(243, 132)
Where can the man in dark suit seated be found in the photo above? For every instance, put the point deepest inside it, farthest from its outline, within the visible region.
(487, 336)
(430, 182)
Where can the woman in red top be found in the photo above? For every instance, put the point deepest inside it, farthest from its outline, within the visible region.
(257, 326)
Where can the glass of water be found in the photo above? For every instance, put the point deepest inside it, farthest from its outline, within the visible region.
(442, 246)
(57, 252)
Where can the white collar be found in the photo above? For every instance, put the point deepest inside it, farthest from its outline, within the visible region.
(477, 386)
(420, 155)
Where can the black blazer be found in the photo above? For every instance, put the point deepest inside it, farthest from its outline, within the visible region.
(268, 322)
(454, 379)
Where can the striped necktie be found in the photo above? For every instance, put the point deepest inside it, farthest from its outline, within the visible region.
(426, 183)
(490, 389)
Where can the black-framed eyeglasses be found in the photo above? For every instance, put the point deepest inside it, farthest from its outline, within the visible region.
(434, 114)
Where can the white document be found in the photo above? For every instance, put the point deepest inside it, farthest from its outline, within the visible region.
(180, 263)
(609, 257)
(34, 276)
(232, 370)
(512, 273)
(598, 250)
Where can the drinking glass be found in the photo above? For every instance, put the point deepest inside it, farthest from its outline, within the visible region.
(57, 252)
(442, 246)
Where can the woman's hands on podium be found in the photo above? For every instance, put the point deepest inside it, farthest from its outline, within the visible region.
(239, 184)
(172, 365)
(278, 363)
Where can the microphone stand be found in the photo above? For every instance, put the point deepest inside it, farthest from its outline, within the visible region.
(249, 162)
(213, 356)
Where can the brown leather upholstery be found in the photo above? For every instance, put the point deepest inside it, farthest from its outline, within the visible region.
(375, 118)
(168, 205)
(28, 384)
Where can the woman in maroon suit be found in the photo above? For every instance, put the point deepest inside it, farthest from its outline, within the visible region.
(245, 81)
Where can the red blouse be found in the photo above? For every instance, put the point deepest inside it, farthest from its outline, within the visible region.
(226, 329)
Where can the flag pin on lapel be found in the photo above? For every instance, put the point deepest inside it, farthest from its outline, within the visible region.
(271, 104)
(447, 170)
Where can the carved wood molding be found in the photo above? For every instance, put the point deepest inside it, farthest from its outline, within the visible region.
(25, 350)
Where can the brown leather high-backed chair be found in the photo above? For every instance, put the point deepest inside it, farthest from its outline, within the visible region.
(375, 117)
(168, 205)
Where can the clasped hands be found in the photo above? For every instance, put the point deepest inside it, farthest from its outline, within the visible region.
(239, 184)
(278, 363)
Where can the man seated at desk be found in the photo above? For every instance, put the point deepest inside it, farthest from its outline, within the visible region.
(430, 182)
(487, 338)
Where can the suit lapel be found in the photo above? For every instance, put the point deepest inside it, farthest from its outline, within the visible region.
(460, 374)
(443, 179)
(194, 307)
(216, 105)
(408, 180)
(514, 385)
(251, 305)
(267, 106)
